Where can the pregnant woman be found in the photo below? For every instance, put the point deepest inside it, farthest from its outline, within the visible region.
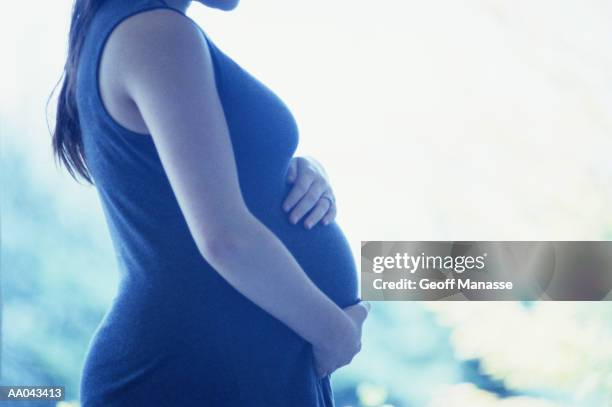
(225, 297)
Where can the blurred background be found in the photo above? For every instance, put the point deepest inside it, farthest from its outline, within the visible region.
(436, 120)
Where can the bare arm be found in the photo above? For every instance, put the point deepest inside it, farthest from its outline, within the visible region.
(168, 74)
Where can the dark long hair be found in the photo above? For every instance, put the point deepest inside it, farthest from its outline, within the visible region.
(66, 137)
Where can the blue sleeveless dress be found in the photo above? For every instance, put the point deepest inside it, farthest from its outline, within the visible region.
(177, 334)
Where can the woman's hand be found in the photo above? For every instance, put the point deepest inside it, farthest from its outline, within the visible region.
(331, 356)
(311, 192)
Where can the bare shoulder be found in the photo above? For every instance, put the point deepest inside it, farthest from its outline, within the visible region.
(154, 38)
(144, 55)
(156, 24)
(158, 54)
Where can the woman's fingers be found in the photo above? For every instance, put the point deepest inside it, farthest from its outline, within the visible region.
(323, 363)
(321, 208)
(300, 188)
(321, 371)
(365, 306)
(308, 201)
(330, 215)
(359, 311)
(309, 184)
(292, 171)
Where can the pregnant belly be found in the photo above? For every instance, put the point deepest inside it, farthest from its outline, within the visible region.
(326, 257)
(323, 251)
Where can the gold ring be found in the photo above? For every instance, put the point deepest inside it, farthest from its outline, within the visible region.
(329, 198)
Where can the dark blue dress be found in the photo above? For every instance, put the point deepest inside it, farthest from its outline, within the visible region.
(177, 334)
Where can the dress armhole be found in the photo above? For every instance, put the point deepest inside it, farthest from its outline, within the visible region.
(98, 94)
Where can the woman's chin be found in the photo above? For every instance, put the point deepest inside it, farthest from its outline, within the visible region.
(225, 5)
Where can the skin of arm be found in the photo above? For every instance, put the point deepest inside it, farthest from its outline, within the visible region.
(167, 72)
